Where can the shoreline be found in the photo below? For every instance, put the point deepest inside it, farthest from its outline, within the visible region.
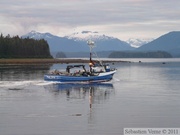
(52, 61)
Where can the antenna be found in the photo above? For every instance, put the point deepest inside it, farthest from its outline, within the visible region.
(91, 44)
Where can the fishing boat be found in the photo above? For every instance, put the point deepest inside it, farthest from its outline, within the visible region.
(97, 72)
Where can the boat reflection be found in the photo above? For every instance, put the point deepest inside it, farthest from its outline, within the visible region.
(96, 93)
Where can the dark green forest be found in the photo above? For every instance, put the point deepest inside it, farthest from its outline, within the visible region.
(16, 47)
(158, 54)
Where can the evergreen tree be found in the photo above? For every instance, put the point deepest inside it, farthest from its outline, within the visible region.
(15, 47)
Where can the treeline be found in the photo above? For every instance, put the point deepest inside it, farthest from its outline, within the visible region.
(158, 54)
(16, 47)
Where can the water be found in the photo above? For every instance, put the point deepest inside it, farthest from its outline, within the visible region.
(141, 95)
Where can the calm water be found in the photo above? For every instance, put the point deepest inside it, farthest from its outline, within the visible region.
(145, 94)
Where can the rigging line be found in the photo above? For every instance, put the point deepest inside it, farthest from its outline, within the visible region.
(98, 58)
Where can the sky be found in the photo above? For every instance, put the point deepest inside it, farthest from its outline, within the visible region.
(122, 19)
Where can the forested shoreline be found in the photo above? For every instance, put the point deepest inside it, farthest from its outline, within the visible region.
(16, 47)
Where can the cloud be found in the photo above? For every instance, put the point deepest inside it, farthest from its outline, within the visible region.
(121, 18)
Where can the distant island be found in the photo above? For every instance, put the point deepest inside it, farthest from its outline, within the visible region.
(130, 54)
(16, 47)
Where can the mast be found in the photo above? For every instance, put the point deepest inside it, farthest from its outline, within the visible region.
(91, 46)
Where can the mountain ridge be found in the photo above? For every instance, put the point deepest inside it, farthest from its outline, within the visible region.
(71, 44)
(88, 35)
(76, 43)
(169, 42)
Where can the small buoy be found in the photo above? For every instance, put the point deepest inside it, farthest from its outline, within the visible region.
(78, 114)
(15, 88)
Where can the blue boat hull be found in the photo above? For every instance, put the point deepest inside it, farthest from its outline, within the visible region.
(64, 78)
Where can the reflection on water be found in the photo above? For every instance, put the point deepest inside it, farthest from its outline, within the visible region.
(49, 108)
(142, 95)
(97, 92)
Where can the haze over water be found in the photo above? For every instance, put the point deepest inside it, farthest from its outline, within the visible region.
(142, 95)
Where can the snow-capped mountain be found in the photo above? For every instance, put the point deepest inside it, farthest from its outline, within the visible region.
(138, 42)
(56, 43)
(77, 42)
(37, 35)
(88, 35)
(102, 42)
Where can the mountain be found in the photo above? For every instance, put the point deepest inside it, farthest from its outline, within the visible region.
(138, 42)
(169, 42)
(56, 43)
(102, 42)
(77, 42)
(87, 35)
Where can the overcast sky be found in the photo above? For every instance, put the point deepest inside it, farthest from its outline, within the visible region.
(119, 18)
